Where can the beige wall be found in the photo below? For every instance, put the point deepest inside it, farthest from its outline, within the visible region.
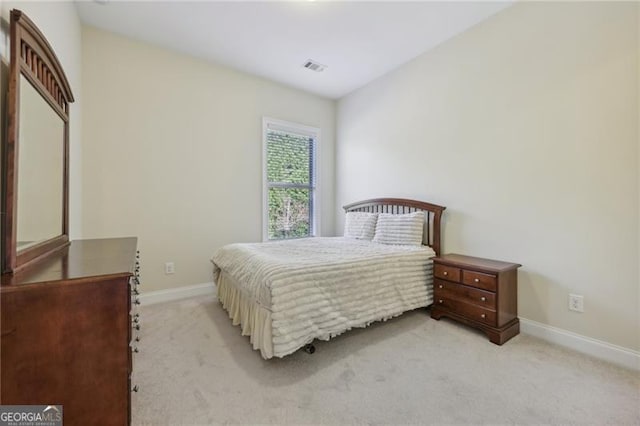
(526, 128)
(173, 153)
(59, 22)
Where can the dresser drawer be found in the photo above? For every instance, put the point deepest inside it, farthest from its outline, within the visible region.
(465, 293)
(472, 312)
(446, 272)
(479, 280)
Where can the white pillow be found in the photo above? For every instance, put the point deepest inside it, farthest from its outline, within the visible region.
(360, 225)
(402, 229)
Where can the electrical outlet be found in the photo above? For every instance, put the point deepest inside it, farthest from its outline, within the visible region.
(169, 268)
(576, 302)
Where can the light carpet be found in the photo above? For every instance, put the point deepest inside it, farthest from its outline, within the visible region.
(194, 367)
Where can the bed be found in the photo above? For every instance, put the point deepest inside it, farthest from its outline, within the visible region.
(285, 294)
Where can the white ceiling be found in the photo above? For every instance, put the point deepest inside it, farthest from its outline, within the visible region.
(358, 41)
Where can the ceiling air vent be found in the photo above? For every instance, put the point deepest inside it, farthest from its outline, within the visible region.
(314, 66)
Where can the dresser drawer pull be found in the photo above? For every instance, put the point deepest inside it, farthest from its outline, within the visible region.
(483, 298)
(483, 316)
(135, 350)
(477, 280)
(135, 389)
(137, 302)
(445, 273)
(440, 301)
(137, 338)
(137, 327)
(440, 286)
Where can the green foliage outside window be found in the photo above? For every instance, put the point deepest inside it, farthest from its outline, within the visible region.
(289, 163)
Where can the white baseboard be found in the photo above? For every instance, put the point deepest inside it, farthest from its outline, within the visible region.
(616, 354)
(161, 296)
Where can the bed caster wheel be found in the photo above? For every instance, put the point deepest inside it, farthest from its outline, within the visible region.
(309, 348)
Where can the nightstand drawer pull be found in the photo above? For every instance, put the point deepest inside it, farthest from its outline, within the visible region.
(477, 280)
(440, 286)
(483, 316)
(484, 299)
(440, 301)
(445, 273)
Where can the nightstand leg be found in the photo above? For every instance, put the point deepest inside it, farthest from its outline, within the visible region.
(435, 313)
(501, 336)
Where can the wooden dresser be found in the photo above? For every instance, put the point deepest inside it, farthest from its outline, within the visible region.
(67, 325)
(482, 293)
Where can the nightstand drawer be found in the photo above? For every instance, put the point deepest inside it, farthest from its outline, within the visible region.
(479, 280)
(472, 312)
(467, 294)
(446, 272)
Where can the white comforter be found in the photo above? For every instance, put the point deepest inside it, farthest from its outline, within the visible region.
(317, 288)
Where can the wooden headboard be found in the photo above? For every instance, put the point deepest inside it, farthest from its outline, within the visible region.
(400, 206)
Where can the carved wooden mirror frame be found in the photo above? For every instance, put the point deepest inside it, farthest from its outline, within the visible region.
(34, 59)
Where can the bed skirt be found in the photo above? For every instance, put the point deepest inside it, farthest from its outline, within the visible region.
(254, 319)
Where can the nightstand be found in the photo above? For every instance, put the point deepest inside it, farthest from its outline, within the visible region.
(481, 293)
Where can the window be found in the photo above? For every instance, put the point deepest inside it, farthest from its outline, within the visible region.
(289, 167)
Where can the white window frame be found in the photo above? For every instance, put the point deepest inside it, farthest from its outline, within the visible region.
(287, 126)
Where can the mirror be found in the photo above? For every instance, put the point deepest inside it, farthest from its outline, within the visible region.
(35, 170)
(40, 170)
